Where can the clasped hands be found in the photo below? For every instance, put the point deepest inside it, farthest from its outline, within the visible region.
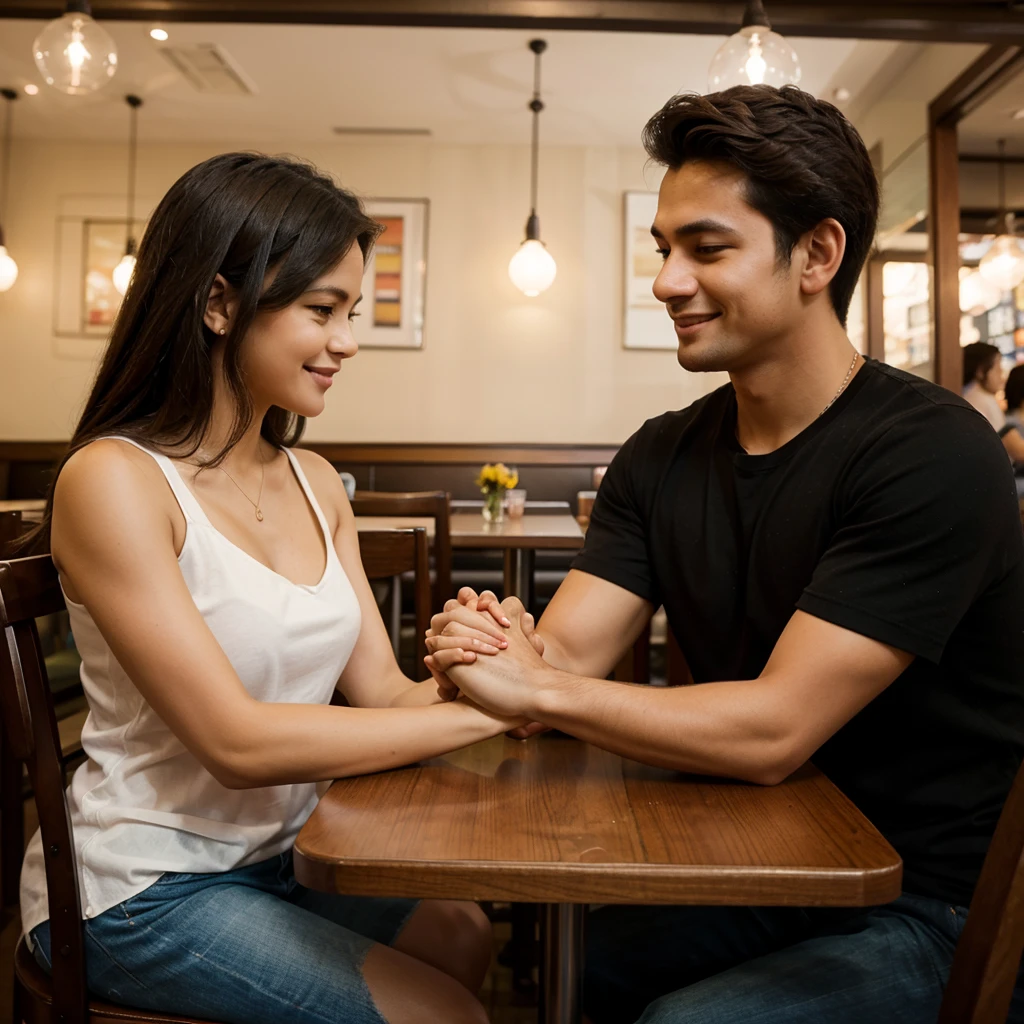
(490, 651)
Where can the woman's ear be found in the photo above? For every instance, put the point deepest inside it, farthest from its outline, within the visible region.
(825, 246)
(221, 305)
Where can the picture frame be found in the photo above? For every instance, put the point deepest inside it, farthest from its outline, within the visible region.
(91, 235)
(645, 322)
(394, 282)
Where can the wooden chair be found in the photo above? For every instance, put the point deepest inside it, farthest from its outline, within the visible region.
(389, 553)
(985, 964)
(433, 504)
(29, 589)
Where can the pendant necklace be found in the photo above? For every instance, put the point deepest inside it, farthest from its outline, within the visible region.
(256, 504)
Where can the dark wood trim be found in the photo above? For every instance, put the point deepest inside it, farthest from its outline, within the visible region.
(982, 21)
(976, 83)
(989, 158)
(461, 454)
(997, 66)
(32, 451)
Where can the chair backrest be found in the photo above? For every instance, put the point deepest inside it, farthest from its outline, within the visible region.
(984, 971)
(389, 553)
(434, 504)
(10, 530)
(29, 589)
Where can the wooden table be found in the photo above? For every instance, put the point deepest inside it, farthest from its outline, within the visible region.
(518, 539)
(562, 823)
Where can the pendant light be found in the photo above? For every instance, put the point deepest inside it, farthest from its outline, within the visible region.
(532, 268)
(8, 268)
(977, 295)
(74, 54)
(754, 56)
(123, 271)
(1003, 264)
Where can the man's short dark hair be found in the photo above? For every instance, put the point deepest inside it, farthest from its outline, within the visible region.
(804, 162)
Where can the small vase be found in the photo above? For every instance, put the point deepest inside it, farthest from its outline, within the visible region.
(494, 507)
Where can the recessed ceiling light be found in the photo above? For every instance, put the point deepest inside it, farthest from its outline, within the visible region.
(841, 94)
(31, 90)
(159, 34)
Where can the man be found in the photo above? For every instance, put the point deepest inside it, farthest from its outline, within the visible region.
(837, 548)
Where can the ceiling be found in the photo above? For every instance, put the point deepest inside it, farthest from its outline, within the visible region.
(980, 131)
(465, 85)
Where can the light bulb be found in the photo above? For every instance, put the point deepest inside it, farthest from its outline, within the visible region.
(74, 54)
(122, 273)
(977, 294)
(8, 270)
(532, 268)
(754, 56)
(1003, 264)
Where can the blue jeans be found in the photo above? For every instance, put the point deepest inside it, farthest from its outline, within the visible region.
(770, 965)
(249, 946)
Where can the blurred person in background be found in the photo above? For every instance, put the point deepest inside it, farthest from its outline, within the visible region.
(983, 380)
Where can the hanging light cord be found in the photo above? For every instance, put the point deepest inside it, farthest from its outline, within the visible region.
(133, 134)
(536, 105)
(8, 95)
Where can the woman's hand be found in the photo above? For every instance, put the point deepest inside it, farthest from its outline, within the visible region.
(472, 625)
(467, 627)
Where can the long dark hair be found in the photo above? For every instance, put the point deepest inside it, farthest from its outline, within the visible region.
(238, 215)
(1014, 389)
(803, 160)
(978, 356)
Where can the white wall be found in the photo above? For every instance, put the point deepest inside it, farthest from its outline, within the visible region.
(495, 365)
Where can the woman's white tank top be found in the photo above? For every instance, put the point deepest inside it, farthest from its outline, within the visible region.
(141, 804)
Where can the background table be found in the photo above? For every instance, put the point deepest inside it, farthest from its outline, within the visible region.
(562, 823)
(518, 539)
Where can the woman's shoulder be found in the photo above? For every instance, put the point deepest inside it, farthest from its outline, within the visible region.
(109, 480)
(108, 462)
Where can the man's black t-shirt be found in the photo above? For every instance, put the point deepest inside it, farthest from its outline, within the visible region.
(893, 515)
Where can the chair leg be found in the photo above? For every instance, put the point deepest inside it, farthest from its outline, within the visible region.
(12, 821)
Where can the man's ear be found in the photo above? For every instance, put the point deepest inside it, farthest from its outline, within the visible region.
(221, 306)
(824, 246)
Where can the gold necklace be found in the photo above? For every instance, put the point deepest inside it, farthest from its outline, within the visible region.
(255, 504)
(842, 387)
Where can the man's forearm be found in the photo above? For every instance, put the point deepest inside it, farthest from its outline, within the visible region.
(734, 729)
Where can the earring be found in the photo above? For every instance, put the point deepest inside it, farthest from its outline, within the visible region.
(223, 330)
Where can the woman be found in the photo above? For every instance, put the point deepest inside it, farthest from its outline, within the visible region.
(216, 595)
(1014, 392)
(983, 380)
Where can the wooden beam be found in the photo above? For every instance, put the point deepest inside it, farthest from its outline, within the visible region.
(981, 21)
(997, 66)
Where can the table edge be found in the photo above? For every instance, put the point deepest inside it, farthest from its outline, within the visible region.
(597, 882)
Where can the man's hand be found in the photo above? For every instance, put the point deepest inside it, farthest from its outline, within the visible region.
(503, 684)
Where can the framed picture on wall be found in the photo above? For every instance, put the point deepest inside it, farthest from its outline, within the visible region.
(646, 324)
(91, 236)
(394, 284)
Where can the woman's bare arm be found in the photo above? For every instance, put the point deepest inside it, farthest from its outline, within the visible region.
(113, 541)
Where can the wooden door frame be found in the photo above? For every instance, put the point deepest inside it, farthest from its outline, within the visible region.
(981, 80)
